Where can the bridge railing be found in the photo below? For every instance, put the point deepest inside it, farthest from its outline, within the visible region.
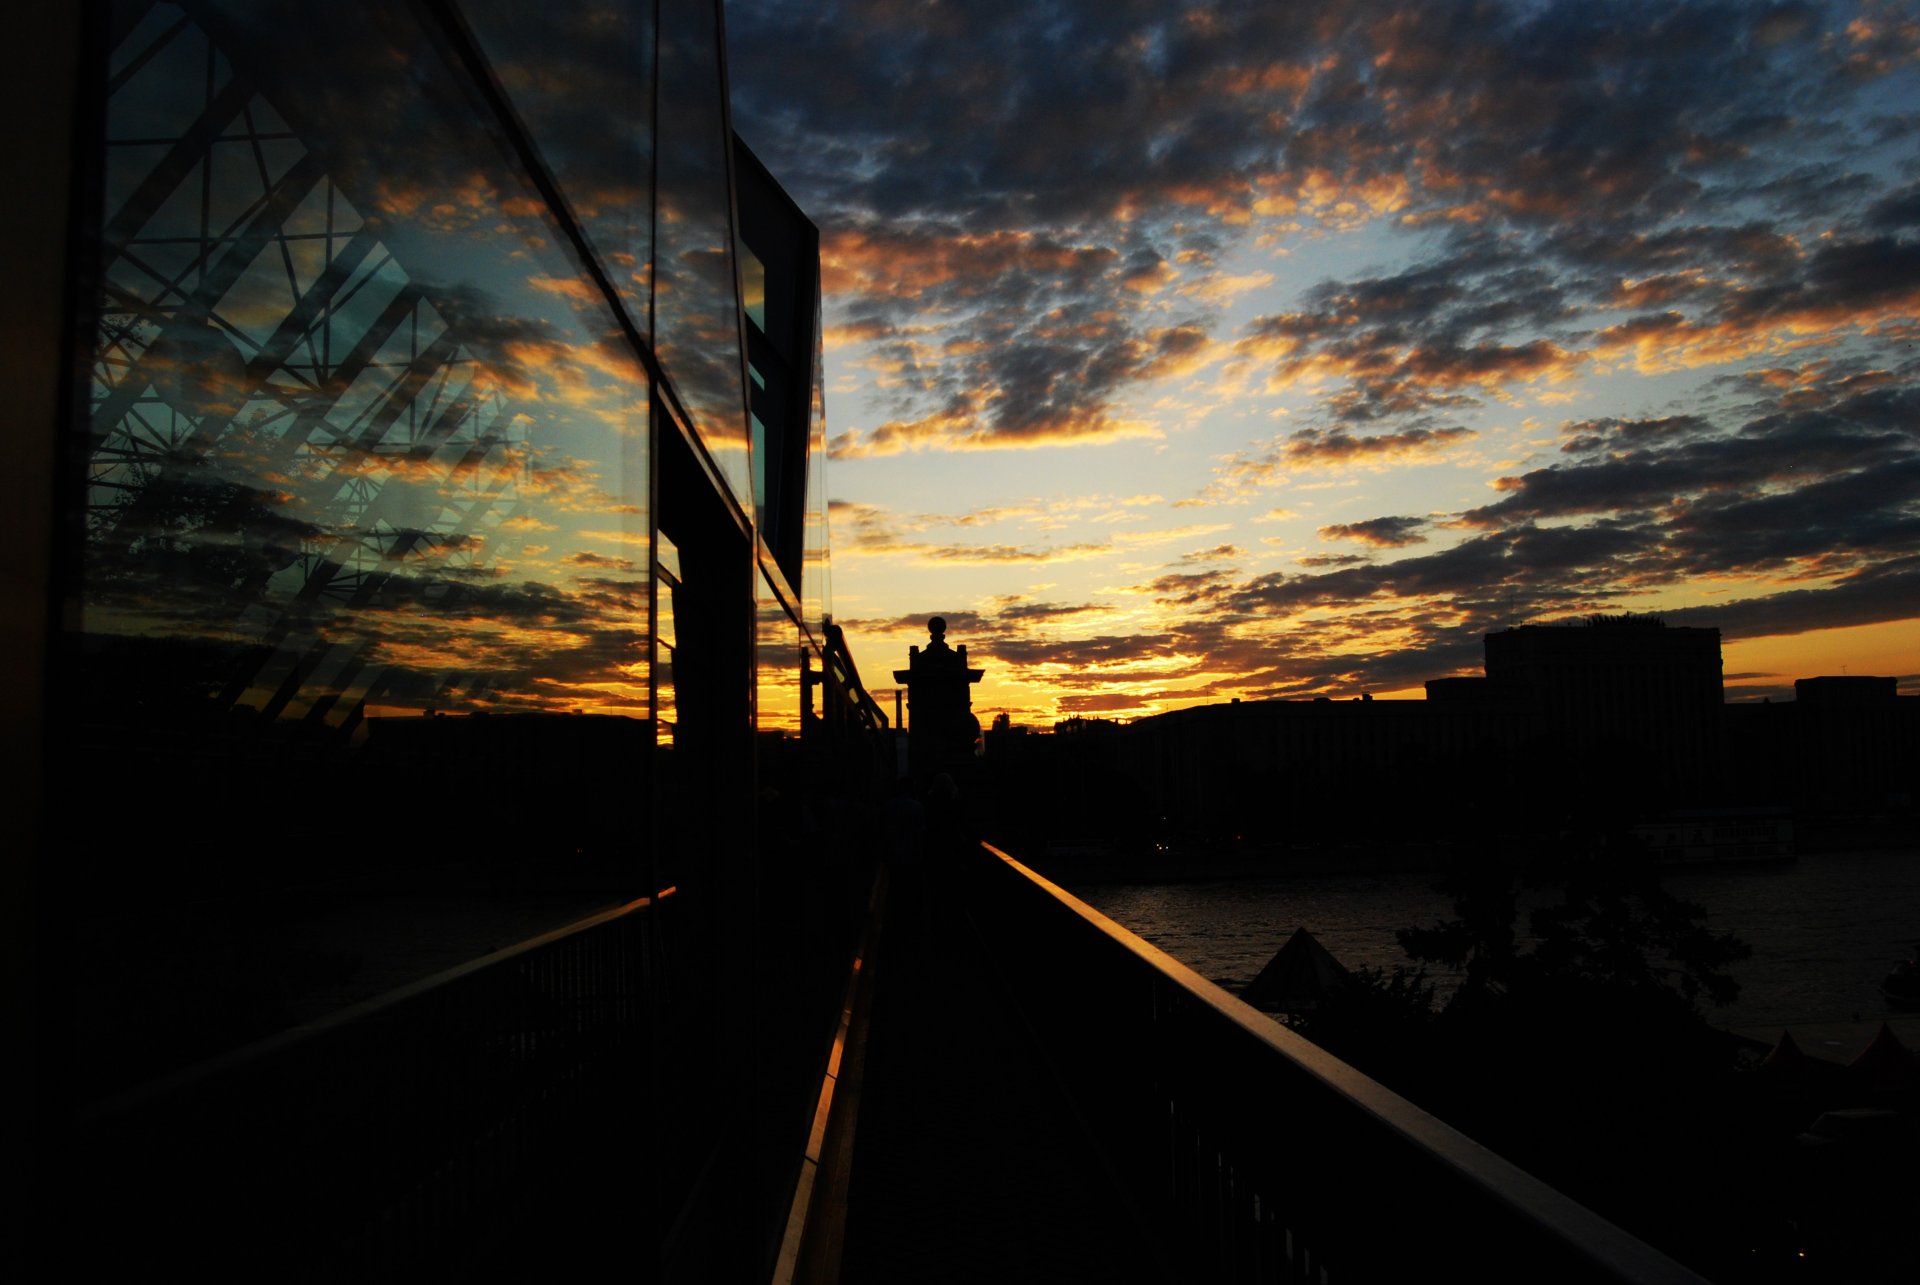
(1251, 1152)
(391, 1138)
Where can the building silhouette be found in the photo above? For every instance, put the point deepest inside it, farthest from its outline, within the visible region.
(1617, 687)
(1606, 721)
(1845, 750)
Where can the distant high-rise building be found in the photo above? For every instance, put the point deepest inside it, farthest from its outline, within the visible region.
(1615, 686)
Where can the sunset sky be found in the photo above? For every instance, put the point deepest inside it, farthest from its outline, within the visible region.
(1179, 352)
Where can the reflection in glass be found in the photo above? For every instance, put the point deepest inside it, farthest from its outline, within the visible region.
(779, 646)
(696, 301)
(581, 78)
(758, 433)
(363, 581)
(665, 638)
(364, 442)
(816, 580)
(753, 291)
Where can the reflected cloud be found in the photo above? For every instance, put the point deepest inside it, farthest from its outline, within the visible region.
(317, 472)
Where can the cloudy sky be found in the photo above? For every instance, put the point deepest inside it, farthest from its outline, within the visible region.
(1178, 352)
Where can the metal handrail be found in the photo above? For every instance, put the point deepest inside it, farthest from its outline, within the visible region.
(417, 1127)
(1259, 1154)
(282, 1041)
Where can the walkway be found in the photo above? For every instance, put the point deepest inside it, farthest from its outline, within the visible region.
(967, 1165)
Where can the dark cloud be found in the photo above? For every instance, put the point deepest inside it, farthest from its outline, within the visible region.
(1097, 703)
(1896, 211)
(1117, 657)
(958, 622)
(1633, 250)
(1211, 657)
(1337, 446)
(1188, 587)
(1857, 275)
(1381, 533)
(1586, 436)
(585, 558)
(1832, 471)
(1830, 521)
(1041, 610)
(1811, 191)
(1215, 554)
(1004, 552)
(1869, 596)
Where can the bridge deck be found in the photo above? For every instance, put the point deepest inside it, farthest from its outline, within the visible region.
(967, 1165)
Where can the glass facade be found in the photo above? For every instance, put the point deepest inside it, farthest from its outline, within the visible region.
(424, 525)
(816, 571)
(449, 822)
(696, 297)
(446, 765)
(365, 441)
(361, 592)
(780, 647)
(581, 79)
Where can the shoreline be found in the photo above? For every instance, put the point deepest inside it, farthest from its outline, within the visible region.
(1092, 864)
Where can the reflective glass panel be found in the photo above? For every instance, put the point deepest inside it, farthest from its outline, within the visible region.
(817, 582)
(696, 302)
(758, 434)
(666, 638)
(778, 651)
(581, 78)
(366, 444)
(753, 287)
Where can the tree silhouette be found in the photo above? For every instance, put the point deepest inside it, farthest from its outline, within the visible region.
(1574, 1043)
(1613, 942)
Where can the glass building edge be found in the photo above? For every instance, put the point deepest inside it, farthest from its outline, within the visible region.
(782, 244)
(634, 465)
(492, 22)
(313, 508)
(404, 256)
(817, 547)
(784, 654)
(53, 84)
(608, 196)
(699, 326)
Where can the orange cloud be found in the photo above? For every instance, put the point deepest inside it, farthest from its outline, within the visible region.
(965, 427)
(1672, 341)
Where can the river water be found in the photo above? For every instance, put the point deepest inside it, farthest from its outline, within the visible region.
(1824, 928)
